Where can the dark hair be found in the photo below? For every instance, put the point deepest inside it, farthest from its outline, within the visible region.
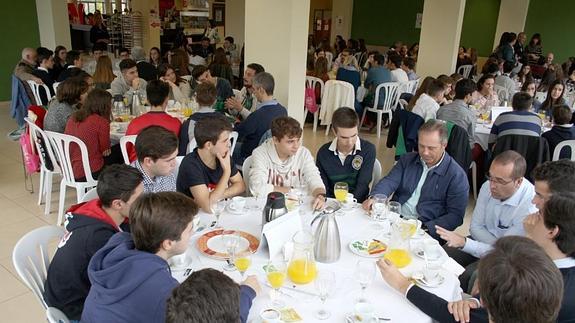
(512, 157)
(482, 80)
(435, 87)
(97, 102)
(230, 39)
(198, 71)
(549, 101)
(558, 212)
(180, 62)
(380, 59)
(519, 282)
(464, 88)
(492, 68)
(155, 217)
(528, 81)
(219, 58)
(409, 62)
(99, 47)
(508, 66)
(562, 114)
(127, 64)
(123, 50)
(256, 67)
(57, 51)
(395, 59)
(206, 295)
(79, 73)
(43, 54)
(286, 126)
(264, 80)
(310, 61)
(538, 37)
(521, 101)
(559, 175)
(422, 89)
(434, 125)
(206, 94)
(210, 129)
(163, 70)
(344, 117)
(72, 56)
(159, 53)
(205, 39)
(117, 182)
(155, 142)
(70, 90)
(157, 91)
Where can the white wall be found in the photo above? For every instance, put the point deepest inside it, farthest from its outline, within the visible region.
(235, 21)
(512, 17)
(344, 9)
(53, 23)
(276, 37)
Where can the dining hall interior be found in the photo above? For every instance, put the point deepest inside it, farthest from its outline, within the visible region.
(310, 160)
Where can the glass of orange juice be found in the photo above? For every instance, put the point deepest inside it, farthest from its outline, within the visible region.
(276, 275)
(340, 191)
(398, 252)
(242, 263)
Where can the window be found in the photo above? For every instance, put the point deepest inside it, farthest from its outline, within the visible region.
(90, 6)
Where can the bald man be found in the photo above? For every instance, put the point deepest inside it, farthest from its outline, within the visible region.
(26, 65)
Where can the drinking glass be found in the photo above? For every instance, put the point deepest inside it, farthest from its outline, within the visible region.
(300, 191)
(243, 263)
(231, 241)
(394, 210)
(364, 274)
(276, 274)
(325, 285)
(217, 207)
(340, 190)
(379, 207)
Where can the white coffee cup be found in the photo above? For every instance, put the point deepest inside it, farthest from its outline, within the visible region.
(350, 199)
(432, 250)
(270, 315)
(365, 311)
(238, 203)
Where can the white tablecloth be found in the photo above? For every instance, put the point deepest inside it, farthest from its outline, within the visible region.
(354, 224)
(482, 132)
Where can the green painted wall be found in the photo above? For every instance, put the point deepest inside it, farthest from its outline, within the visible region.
(381, 22)
(479, 24)
(19, 25)
(552, 19)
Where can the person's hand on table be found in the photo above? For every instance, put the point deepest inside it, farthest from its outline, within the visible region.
(252, 281)
(453, 239)
(367, 204)
(318, 202)
(393, 276)
(461, 309)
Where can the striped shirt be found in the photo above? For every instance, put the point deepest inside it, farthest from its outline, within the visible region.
(515, 123)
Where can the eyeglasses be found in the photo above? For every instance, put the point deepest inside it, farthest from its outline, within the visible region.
(498, 181)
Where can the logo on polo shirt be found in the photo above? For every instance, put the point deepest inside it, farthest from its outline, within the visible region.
(357, 162)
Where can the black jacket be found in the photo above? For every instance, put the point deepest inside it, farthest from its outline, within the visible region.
(403, 132)
(67, 72)
(535, 150)
(147, 71)
(558, 134)
(47, 79)
(458, 145)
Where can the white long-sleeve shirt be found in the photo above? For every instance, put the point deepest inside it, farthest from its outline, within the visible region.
(268, 170)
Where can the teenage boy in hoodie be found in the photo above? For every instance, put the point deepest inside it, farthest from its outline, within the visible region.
(282, 163)
(208, 174)
(562, 129)
(89, 225)
(131, 279)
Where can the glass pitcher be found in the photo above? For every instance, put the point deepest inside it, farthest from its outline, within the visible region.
(302, 268)
(399, 251)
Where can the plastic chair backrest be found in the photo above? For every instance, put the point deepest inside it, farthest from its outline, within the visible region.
(391, 90)
(346, 87)
(412, 86)
(54, 315)
(502, 92)
(61, 144)
(464, 70)
(36, 91)
(246, 173)
(178, 162)
(31, 258)
(267, 135)
(237, 93)
(191, 146)
(124, 140)
(36, 134)
(90, 195)
(311, 82)
(540, 96)
(376, 174)
(234, 140)
(564, 144)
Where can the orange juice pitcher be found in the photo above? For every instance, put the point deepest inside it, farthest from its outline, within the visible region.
(399, 251)
(302, 268)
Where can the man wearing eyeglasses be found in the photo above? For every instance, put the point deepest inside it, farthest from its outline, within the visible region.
(503, 203)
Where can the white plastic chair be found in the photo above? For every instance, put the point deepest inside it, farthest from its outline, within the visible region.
(31, 258)
(411, 86)
(464, 70)
(376, 174)
(178, 162)
(55, 86)
(54, 315)
(90, 195)
(124, 147)
(61, 144)
(246, 174)
(473, 167)
(312, 82)
(329, 57)
(191, 146)
(391, 90)
(540, 96)
(35, 87)
(46, 175)
(564, 144)
(502, 93)
(343, 96)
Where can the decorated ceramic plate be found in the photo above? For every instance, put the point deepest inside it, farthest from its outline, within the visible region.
(372, 248)
(212, 244)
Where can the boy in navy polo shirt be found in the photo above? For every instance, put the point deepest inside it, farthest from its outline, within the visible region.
(347, 158)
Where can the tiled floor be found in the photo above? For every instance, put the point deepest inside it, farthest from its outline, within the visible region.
(19, 213)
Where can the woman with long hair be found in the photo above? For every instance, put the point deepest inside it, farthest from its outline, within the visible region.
(422, 89)
(60, 54)
(534, 49)
(530, 87)
(554, 98)
(180, 61)
(155, 57)
(70, 95)
(220, 66)
(104, 74)
(99, 32)
(524, 74)
(91, 124)
(485, 96)
(180, 89)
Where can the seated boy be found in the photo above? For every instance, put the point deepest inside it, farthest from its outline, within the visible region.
(157, 148)
(89, 226)
(208, 174)
(206, 97)
(282, 163)
(562, 130)
(130, 276)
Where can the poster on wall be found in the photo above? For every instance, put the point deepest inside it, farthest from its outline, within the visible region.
(418, 19)
(339, 22)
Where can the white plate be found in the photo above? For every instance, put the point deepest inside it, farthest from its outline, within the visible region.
(354, 247)
(350, 318)
(421, 254)
(423, 282)
(217, 244)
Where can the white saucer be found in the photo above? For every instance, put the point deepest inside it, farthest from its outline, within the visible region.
(420, 280)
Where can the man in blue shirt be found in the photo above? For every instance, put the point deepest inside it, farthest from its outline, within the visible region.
(429, 184)
(376, 75)
(503, 203)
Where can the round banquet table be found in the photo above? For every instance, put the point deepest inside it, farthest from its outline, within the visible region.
(353, 224)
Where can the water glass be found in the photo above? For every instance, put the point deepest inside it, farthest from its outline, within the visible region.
(364, 274)
(379, 207)
(325, 285)
(231, 240)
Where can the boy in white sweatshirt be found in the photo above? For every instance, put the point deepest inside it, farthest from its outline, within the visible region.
(282, 163)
